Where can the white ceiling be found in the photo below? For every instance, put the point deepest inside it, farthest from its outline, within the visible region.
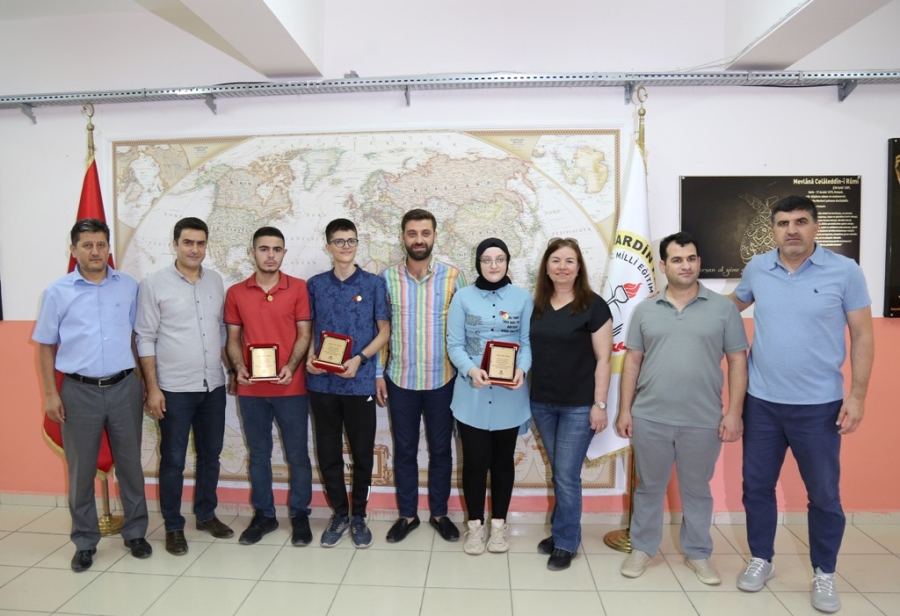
(287, 38)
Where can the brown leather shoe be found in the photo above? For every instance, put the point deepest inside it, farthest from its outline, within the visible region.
(176, 543)
(216, 528)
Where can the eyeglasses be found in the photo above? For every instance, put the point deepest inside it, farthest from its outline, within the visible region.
(562, 239)
(340, 242)
(498, 261)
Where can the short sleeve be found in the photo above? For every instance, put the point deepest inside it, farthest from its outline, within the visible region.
(634, 338)
(382, 302)
(857, 293)
(744, 290)
(46, 330)
(600, 313)
(232, 311)
(735, 334)
(301, 308)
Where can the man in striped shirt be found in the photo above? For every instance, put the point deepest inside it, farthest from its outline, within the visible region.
(418, 377)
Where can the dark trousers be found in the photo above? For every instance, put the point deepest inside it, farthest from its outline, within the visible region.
(483, 451)
(332, 414)
(407, 407)
(90, 409)
(809, 430)
(204, 412)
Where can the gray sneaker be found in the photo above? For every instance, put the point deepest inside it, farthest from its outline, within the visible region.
(359, 532)
(824, 594)
(337, 528)
(756, 574)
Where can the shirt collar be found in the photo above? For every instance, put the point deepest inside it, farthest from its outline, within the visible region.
(110, 273)
(816, 258)
(183, 277)
(431, 262)
(282, 283)
(502, 291)
(702, 293)
(352, 278)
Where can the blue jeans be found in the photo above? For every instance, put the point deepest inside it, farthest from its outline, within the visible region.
(292, 415)
(205, 413)
(566, 434)
(809, 430)
(407, 406)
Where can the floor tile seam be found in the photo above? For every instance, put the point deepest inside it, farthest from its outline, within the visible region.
(587, 560)
(874, 539)
(24, 570)
(247, 596)
(870, 602)
(736, 548)
(161, 595)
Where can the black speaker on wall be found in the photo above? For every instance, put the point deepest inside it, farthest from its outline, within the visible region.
(892, 265)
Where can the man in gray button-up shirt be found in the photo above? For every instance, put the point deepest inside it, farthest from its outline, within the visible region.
(180, 340)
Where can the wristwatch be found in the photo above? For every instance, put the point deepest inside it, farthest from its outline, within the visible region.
(363, 360)
(600, 405)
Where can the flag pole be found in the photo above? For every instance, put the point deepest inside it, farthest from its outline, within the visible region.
(620, 540)
(109, 523)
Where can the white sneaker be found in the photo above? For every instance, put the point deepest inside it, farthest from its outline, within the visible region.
(476, 537)
(824, 594)
(756, 574)
(705, 571)
(499, 541)
(635, 564)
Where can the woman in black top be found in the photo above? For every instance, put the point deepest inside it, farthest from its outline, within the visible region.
(571, 342)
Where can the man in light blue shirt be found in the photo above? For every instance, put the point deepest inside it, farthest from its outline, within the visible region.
(84, 330)
(181, 340)
(805, 298)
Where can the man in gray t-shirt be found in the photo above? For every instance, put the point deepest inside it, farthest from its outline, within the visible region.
(670, 404)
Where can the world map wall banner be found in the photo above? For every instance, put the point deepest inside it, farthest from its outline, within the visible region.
(524, 187)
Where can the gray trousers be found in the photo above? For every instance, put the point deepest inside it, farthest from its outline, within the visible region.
(90, 409)
(694, 452)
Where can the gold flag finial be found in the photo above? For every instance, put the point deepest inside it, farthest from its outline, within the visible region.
(641, 95)
(88, 110)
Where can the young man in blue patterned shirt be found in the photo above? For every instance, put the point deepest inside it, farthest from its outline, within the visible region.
(351, 302)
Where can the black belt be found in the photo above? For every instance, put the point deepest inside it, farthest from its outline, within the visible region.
(106, 381)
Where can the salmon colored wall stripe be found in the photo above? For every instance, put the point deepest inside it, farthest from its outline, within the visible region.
(869, 457)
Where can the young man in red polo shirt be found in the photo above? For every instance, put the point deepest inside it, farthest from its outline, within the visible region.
(272, 308)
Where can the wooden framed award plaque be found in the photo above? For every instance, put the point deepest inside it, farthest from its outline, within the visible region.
(334, 350)
(263, 362)
(500, 362)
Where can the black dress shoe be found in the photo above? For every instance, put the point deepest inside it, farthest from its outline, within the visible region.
(560, 559)
(546, 546)
(401, 528)
(139, 547)
(216, 528)
(445, 528)
(83, 560)
(176, 543)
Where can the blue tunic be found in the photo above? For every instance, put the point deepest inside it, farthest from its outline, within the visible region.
(476, 317)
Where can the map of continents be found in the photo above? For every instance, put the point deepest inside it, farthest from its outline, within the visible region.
(524, 187)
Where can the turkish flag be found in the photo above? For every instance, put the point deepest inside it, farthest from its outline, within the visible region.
(90, 206)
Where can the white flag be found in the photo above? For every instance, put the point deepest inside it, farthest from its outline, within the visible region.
(630, 279)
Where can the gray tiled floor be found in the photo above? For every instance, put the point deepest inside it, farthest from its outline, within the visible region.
(423, 575)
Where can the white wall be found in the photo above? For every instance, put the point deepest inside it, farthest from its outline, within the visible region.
(690, 131)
